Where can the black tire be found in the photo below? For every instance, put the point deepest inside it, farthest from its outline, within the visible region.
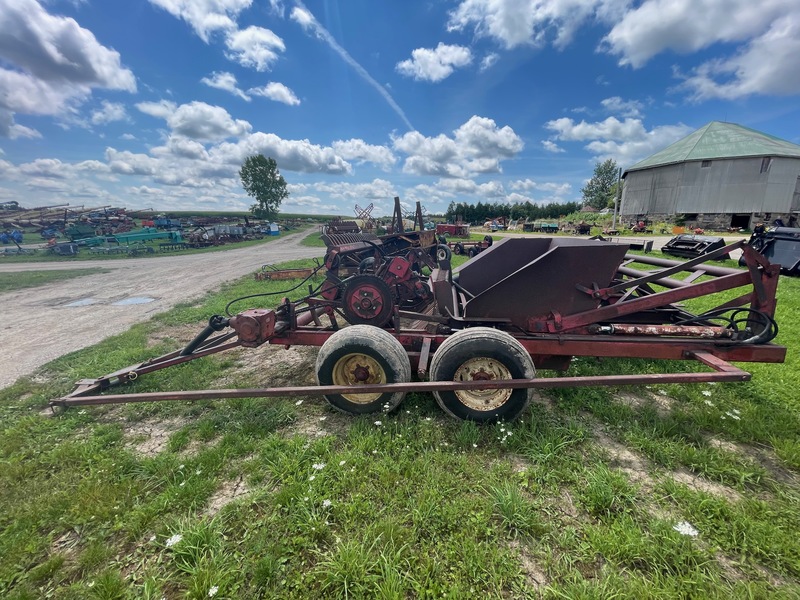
(494, 355)
(380, 359)
(458, 248)
(489, 241)
(472, 252)
(443, 253)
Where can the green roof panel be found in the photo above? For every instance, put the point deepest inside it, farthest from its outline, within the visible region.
(719, 140)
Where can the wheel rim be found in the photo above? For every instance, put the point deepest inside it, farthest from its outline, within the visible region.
(358, 369)
(367, 300)
(483, 369)
(441, 254)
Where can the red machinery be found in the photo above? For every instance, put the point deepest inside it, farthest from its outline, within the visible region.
(479, 332)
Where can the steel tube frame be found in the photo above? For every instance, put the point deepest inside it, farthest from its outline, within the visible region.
(722, 371)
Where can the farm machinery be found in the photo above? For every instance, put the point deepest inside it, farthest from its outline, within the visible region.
(389, 318)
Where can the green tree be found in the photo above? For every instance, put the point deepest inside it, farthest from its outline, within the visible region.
(600, 188)
(262, 181)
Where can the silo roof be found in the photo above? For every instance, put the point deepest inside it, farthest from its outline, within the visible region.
(719, 140)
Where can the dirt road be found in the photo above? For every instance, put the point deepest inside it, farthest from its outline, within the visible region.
(40, 324)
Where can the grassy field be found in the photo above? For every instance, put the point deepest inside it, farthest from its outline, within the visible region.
(650, 492)
(10, 282)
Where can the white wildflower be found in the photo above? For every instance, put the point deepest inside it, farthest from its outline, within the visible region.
(733, 416)
(685, 528)
(312, 478)
(322, 418)
(173, 540)
(474, 445)
(183, 483)
(181, 466)
(341, 463)
(378, 423)
(152, 538)
(326, 503)
(374, 451)
(706, 392)
(298, 403)
(198, 471)
(212, 591)
(662, 392)
(318, 466)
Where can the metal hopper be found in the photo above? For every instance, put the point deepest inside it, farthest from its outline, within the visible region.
(524, 278)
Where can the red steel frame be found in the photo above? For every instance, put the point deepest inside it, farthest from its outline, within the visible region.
(551, 340)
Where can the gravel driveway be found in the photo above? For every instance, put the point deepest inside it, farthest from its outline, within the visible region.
(42, 323)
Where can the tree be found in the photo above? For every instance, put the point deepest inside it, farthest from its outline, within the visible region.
(262, 181)
(600, 188)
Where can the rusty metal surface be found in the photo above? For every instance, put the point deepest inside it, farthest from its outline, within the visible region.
(723, 372)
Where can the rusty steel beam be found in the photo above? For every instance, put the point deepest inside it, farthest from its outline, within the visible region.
(723, 371)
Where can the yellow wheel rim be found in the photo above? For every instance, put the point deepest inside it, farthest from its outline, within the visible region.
(483, 369)
(358, 369)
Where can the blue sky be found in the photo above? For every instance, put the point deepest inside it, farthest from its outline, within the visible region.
(156, 103)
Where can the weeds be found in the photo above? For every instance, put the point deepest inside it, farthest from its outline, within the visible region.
(113, 502)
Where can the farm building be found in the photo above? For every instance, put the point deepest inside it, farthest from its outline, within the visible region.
(721, 176)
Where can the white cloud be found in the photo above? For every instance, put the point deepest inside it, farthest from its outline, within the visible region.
(109, 112)
(291, 155)
(222, 80)
(551, 146)
(477, 146)
(518, 22)
(50, 65)
(377, 189)
(161, 109)
(528, 185)
(128, 163)
(301, 15)
(205, 16)
(355, 149)
(488, 61)
(436, 64)
(686, 26)
(277, 92)
(767, 65)
(254, 47)
(201, 121)
(625, 141)
(624, 108)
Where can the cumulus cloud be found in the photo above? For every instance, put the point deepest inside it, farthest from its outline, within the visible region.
(625, 141)
(205, 16)
(254, 47)
(201, 121)
(435, 64)
(359, 150)
(684, 27)
(551, 146)
(767, 65)
(478, 146)
(624, 108)
(161, 109)
(50, 65)
(277, 92)
(291, 155)
(528, 185)
(225, 81)
(377, 189)
(109, 112)
(514, 23)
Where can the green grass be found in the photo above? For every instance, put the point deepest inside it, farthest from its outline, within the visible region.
(10, 282)
(579, 498)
